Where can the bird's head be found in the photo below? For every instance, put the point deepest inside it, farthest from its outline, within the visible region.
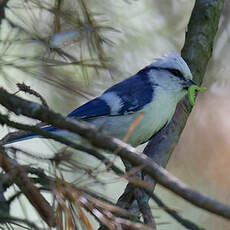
(171, 74)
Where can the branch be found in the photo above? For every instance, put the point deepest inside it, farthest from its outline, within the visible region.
(115, 146)
(200, 36)
(30, 128)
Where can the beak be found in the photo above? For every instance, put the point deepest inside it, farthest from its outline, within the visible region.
(188, 83)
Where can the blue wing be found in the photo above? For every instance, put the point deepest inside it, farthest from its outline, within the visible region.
(94, 108)
(133, 93)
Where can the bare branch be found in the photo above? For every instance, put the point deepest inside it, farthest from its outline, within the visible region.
(28, 189)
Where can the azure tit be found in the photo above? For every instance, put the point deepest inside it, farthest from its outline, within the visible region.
(151, 94)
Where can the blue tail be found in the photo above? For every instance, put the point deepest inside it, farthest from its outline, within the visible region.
(30, 135)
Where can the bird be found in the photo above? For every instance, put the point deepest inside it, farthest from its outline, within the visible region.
(152, 94)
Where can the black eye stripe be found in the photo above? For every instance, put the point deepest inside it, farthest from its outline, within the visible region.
(176, 72)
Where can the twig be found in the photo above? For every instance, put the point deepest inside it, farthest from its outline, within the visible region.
(13, 219)
(27, 89)
(29, 189)
(186, 223)
(144, 208)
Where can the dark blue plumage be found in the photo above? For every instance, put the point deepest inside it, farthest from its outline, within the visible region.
(95, 107)
(134, 92)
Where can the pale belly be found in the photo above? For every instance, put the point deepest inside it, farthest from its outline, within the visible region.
(154, 118)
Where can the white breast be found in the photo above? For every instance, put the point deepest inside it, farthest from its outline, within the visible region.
(156, 115)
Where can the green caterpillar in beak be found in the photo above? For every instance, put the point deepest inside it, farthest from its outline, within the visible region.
(192, 93)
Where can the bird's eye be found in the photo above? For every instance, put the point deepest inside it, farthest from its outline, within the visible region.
(176, 73)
